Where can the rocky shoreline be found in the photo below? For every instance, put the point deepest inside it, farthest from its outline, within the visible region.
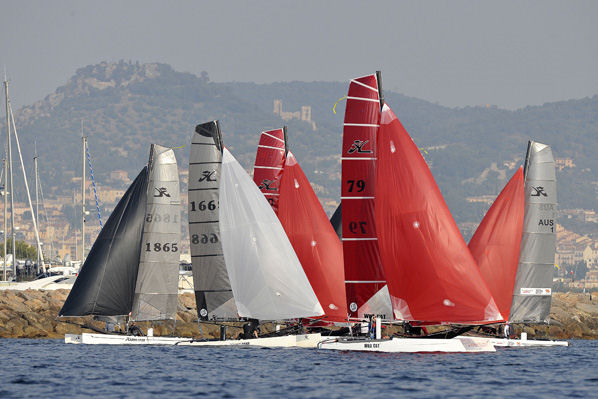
(32, 314)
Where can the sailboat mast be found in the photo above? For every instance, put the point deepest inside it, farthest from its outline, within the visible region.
(83, 195)
(380, 92)
(36, 216)
(5, 216)
(5, 225)
(35, 230)
(12, 203)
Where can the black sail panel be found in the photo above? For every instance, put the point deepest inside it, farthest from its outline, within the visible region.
(336, 221)
(106, 283)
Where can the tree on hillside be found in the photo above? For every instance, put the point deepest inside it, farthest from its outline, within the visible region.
(23, 250)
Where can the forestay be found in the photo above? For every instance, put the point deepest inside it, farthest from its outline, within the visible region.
(533, 286)
(266, 277)
(156, 292)
(213, 293)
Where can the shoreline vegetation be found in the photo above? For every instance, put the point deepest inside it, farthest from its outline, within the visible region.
(32, 314)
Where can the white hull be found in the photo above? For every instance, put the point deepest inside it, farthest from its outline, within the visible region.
(518, 343)
(117, 339)
(286, 341)
(409, 345)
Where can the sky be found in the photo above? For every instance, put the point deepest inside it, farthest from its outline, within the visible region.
(454, 53)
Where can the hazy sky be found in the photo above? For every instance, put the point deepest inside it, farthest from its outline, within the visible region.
(456, 53)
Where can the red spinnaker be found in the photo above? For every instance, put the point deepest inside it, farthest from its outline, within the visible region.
(364, 275)
(315, 242)
(432, 277)
(269, 162)
(495, 244)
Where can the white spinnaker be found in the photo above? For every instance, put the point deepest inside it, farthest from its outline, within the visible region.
(266, 277)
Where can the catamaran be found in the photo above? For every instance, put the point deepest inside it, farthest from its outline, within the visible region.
(396, 224)
(132, 269)
(243, 263)
(520, 276)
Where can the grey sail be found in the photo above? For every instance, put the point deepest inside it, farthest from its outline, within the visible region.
(156, 292)
(533, 285)
(105, 285)
(213, 293)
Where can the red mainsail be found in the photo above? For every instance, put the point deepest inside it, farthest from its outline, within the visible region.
(269, 162)
(315, 242)
(364, 275)
(431, 274)
(495, 244)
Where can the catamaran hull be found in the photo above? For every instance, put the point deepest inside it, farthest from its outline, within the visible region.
(409, 345)
(116, 339)
(286, 341)
(519, 343)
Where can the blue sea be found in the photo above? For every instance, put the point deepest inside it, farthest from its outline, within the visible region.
(49, 368)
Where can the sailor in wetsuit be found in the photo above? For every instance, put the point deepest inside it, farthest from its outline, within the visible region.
(251, 329)
(135, 330)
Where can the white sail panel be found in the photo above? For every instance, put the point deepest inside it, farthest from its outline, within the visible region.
(267, 279)
(156, 292)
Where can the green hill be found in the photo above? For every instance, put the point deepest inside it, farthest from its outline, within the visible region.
(127, 106)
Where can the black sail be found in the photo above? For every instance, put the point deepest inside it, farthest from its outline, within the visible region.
(336, 222)
(106, 283)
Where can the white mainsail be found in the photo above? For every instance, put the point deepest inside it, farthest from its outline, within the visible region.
(156, 291)
(533, 285)
(266, 277)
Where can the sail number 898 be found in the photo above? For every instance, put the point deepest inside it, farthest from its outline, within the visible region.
(204, 238)
(159, 247)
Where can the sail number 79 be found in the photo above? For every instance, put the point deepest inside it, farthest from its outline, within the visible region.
(359, 185)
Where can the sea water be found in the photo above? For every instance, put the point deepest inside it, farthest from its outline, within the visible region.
(49, 368)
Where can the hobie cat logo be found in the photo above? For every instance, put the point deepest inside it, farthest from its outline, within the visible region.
(266, 185)
(162, 192)
(357, 147)
(538, 191)
(353, 307)
(206, 175)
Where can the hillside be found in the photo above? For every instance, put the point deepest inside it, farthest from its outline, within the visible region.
(126, 106)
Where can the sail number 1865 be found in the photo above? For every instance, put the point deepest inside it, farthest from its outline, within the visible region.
(159, 247)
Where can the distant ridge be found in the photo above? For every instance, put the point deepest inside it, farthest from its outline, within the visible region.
(126, 105)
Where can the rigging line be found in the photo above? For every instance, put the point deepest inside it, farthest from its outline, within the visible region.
(337, 101)
(93, 183)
